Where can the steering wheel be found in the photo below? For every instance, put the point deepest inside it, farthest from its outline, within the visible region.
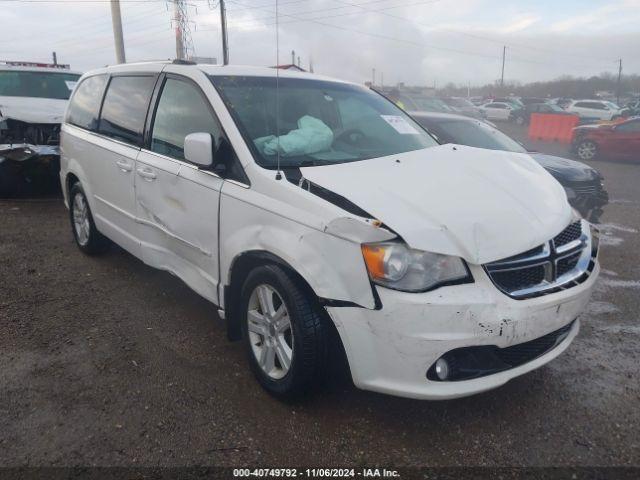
(352, 136)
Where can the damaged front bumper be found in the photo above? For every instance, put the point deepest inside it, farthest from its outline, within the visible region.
(391, 350)
(27, 167)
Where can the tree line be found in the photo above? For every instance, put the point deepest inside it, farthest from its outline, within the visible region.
(565, 86)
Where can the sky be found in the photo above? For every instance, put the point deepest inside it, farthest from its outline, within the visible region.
(418, 42)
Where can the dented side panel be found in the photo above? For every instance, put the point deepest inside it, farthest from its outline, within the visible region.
(177, 214)
(333, 266)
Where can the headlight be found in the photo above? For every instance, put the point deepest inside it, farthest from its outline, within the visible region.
(394, 265)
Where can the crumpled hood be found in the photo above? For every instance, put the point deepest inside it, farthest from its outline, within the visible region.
(566, 170)
(32, 110)
(481, 205)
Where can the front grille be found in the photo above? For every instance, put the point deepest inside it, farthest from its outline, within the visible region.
(563, 262)
(567, 264)
(521, 278)
(569, 234)
(525, 352)
(474, 362)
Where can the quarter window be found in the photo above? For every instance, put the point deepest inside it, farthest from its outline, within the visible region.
(125, 108)
(85, 103)
(182, 110)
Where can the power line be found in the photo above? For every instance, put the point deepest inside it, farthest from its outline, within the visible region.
(296, 19)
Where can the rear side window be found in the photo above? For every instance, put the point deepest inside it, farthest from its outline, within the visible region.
(125, 108)
(85, 103)
(182, 110)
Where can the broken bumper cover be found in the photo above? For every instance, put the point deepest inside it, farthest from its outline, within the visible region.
(20, 152)
(391, 350)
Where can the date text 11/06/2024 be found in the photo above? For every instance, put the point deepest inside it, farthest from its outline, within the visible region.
(316, 472)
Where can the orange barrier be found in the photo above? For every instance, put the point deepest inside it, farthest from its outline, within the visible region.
(551, 127)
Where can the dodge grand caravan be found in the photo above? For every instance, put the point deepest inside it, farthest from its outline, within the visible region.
(311, 210)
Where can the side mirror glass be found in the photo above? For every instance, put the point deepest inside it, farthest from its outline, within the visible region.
(198, 149)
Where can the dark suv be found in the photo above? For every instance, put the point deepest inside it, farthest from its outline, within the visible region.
(582, 183)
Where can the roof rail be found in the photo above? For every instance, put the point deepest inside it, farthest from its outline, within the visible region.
(178, 61)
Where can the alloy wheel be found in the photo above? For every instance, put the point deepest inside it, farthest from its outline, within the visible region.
(587, 150)
(270, 331)
(81, 223)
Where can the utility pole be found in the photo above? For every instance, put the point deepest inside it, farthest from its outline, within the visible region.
(382, 79)
(223, 23)
(293, 57)
(619, 81)
(116, 20)
(177, 18)
(504, 54)
(55, 58)
(373, 76)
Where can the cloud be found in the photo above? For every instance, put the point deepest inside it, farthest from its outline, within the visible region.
(521, 23)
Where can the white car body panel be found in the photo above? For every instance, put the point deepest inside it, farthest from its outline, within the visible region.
(479, 205)
(169, 195)
(593, 113)
(32, 110)
(496, 113)
(491, 192)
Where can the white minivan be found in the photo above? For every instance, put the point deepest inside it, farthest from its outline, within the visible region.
(312, 211)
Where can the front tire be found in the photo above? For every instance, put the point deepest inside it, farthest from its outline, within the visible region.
(586, 150)
(284, 332)
(87, 237)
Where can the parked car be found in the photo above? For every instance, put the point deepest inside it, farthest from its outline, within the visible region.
(613, 140)
(631, 109)
(497, 110)
(515, 102)
(463, 106)
(33, 98)
(582, 183)
(562, 102)
(522, 116)
(338, 220)
(594, 109)
(426, 104)
(532, 100)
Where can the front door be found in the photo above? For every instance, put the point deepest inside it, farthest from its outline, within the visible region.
(177, 202)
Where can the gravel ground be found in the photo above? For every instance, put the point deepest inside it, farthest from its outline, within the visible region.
(104, 361)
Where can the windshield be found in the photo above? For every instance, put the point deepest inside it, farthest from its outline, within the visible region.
(318, 123)
(473, 133)
(16, 83)
(612, 105)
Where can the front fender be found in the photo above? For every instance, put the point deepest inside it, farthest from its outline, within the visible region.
(332, 266)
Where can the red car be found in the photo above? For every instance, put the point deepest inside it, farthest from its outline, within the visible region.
(621, 139)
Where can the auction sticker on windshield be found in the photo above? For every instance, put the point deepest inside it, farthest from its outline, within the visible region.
(400, 124)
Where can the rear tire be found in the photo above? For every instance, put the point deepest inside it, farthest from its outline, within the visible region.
(87, 237)
(519, 120)
(587, 150)
(284, 332)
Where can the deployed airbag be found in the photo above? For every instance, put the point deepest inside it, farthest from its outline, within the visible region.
(311, 136)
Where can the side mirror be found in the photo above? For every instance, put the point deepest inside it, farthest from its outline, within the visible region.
(198, 149)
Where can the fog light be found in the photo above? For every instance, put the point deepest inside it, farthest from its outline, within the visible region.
(442, 369)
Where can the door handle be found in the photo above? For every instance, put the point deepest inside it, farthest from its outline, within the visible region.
(124, 165)
(146, 173)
